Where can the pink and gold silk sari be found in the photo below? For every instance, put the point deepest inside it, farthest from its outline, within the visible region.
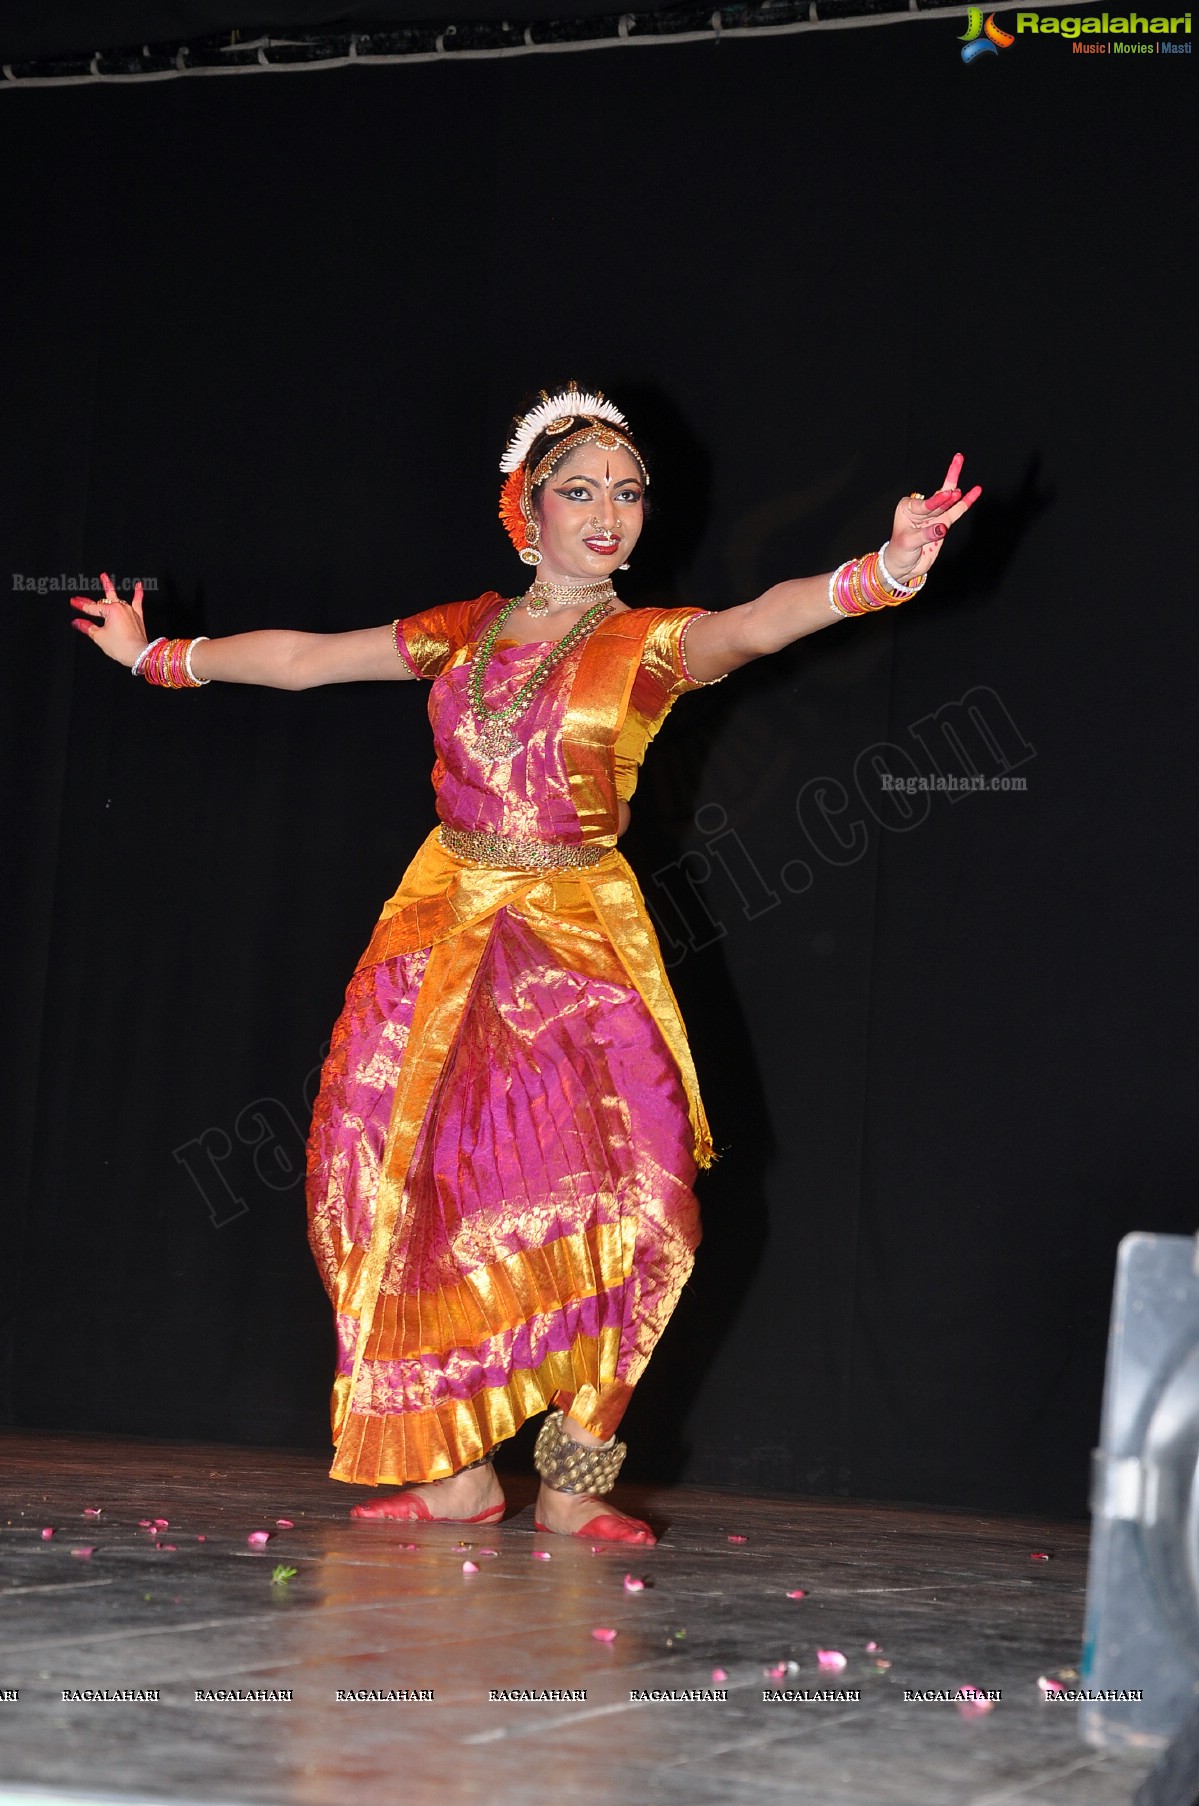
(508, 1125)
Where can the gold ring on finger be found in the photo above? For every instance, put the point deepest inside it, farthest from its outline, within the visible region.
(916, 496)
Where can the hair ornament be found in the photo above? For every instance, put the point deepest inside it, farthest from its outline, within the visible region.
(511, 513)
(565, 406)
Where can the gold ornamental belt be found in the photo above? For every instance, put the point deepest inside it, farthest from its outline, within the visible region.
(482, 848)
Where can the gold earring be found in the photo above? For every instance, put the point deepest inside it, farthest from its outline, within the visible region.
(531, 555)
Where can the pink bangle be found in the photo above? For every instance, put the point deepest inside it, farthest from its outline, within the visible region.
(166, 663)
(857, 587)
(840, 597)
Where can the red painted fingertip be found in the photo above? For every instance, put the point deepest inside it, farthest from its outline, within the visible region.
(81, 601)
(83, 626)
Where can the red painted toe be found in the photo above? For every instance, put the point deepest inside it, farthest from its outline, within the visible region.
(609, 1529)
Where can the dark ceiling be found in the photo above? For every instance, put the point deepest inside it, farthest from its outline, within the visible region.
(31, 30)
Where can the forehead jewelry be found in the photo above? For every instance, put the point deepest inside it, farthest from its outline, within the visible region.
(554, 413)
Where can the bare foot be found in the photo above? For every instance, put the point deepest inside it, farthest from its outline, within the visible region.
(456, 1500)
(569, 1513)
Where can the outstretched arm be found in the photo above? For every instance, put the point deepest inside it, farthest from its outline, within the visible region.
(282, 660)
(724, 640)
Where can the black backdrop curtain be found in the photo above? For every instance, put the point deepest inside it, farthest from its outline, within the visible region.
(263, 337)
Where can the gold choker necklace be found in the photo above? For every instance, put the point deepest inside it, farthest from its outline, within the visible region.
(540, 597)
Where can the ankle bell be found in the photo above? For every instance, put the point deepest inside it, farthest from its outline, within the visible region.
(569, 1466)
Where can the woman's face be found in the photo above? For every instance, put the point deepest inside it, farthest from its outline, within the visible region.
(590, 510)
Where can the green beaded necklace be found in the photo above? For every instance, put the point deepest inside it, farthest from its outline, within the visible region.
(495, 737)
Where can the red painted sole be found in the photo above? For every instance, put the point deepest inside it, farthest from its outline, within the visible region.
(418, 1513)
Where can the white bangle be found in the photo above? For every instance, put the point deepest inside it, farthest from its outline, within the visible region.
(901, 589)
(144, 654)
(832, 585)
(187, 660)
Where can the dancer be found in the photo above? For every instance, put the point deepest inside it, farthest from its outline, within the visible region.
(509, 1125)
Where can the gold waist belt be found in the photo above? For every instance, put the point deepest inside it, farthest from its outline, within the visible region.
(482, 848)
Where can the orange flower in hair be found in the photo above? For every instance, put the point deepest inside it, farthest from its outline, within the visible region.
(511, 513)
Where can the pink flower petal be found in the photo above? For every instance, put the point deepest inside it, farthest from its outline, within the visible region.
(871, 1647)
(1039, 1555)
(284, 1524)
(201, 1539)
(633, 1585)
(84, 1554)
(719, 1674)
(169, 1548)
(93, 1511)
(487, 1553)
(145, 1523)
(162, 1523)
(976, 1707)
(798, 1593)
(1048, 1685)
(881, 1665)
(603, 1636)
(830, 1658)
(541, 1555)
(258, 1539)
(738, 1539)
(776, 1673)
(470, 1567)
(47, 1533)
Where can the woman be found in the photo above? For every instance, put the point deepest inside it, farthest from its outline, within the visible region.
(509, 1125)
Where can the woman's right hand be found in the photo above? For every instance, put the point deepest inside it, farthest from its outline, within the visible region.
(119, 629)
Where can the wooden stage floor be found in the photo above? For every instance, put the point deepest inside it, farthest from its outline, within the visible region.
(191, 1608)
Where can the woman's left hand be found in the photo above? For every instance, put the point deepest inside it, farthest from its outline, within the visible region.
(922, 522)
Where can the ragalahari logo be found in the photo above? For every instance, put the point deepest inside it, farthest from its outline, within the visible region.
(983, 37)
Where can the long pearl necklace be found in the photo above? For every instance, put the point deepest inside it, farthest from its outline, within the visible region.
(495, 737)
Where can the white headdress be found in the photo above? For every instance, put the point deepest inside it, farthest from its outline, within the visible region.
(565, 406)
